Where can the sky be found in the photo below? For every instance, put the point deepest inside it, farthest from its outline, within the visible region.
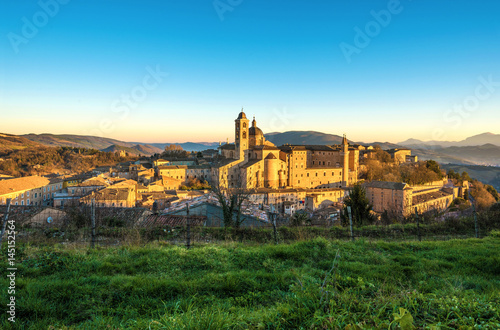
(177, 71)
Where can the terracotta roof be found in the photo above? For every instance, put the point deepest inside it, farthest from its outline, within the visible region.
(96, 181)
(110, 194)
(20, 184)
(125, 183)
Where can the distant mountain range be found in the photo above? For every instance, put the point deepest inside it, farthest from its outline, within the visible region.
(476, 140)
(316, 138)
(482, 149)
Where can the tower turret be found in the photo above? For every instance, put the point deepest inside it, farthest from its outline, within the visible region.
(241, 135)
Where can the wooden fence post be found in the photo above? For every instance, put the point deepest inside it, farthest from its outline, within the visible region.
(188, 229)
(92, 219)
(418, 225)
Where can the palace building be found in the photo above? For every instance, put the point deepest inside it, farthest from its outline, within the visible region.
(253, 162)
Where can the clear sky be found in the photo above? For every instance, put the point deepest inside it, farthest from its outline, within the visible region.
(176, 71)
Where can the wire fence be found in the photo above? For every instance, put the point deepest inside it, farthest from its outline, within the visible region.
(115, 226)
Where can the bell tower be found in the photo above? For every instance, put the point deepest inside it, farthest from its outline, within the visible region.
(345, 154)
(241, 135)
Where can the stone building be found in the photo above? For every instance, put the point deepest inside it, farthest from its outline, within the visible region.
(401, 199)
(253, 162)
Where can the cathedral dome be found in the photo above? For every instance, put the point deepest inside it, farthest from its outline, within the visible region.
(254, 130)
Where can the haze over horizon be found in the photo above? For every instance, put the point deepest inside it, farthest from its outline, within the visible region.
(174, 72)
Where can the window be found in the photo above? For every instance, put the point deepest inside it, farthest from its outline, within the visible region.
(28, 202)
(43, 189)
(36, 195)
(28, 194)
(22, 203)
(22, 195)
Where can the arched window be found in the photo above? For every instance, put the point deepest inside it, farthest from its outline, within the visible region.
(244, 125)
(244, 135)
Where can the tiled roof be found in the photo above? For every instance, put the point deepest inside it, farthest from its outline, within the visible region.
(109, 194)
(386, 185)
(429, 196)
(20, 184)
(125, 183)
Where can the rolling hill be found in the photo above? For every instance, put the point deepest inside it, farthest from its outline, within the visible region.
(77, 141)
(9, 142)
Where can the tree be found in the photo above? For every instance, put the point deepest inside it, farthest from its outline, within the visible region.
(174, 151)
(360, 207)
(434, 167)
(231, 200)
(299, 218)
(492, 191)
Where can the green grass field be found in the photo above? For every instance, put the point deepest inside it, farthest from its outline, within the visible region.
(447, 285)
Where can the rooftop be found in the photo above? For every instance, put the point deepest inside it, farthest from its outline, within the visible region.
(21, 184)
(387, 185)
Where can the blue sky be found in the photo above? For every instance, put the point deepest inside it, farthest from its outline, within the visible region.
(425, 69)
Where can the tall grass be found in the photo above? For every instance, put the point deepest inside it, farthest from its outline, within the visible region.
(448, 284)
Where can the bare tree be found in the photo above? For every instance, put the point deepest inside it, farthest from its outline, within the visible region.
(231, 196)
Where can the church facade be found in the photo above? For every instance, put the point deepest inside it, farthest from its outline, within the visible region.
(252, 162)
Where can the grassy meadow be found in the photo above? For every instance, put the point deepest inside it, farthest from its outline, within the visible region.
(305, 285)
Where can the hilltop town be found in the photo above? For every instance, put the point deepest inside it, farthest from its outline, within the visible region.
(282, 179)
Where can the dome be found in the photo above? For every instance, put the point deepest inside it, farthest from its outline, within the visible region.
(242, 115)
(255, 131)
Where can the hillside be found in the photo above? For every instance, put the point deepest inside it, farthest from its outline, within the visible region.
(117, 148)
(147, 149)
(9, 142)
(189, 146)
(486, 174)
(77, 141)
